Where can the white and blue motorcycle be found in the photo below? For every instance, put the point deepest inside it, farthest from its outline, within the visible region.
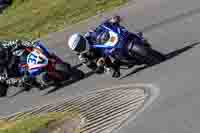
(41, 67)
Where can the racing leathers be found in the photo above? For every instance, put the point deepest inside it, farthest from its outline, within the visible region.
(8, 66)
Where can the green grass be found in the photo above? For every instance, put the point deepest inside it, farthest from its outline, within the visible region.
(33, 18)
(34, 123)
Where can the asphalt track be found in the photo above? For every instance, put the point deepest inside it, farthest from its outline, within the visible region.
(172, 26)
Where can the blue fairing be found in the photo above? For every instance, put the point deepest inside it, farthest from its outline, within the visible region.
(40, 44)
(36, 71)
(122, 34)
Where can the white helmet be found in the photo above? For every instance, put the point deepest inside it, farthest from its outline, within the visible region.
(77, 42)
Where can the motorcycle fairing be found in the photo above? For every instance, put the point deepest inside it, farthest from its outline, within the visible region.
(36, 59)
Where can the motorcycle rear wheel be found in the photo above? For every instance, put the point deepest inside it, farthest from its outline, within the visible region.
(64, 67)
(147, 55)
(64, 70)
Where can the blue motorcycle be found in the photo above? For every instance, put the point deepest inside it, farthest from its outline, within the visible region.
(129, 48)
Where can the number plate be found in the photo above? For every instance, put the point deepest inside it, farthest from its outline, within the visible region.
(36, 59)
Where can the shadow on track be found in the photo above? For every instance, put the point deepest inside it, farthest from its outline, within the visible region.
(17, 93)
(168, 57)
(69, 83)
(64, 83)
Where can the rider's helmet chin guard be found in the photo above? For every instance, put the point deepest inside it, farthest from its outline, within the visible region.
(78, 43)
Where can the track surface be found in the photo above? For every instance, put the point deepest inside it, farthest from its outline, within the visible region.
(102, 111)
(170, 25)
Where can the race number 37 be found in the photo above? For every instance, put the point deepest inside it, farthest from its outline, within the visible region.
(32, 59)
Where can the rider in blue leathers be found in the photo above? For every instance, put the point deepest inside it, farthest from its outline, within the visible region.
(83, 45)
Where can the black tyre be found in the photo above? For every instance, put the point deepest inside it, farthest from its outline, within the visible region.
(146, 55)
(153, 57)
(91, 65)
(147, 44)
(65, 67)
(3, 90)
(64, 70)
(68, 72)
(161, 57)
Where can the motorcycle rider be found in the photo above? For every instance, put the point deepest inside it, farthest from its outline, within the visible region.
(81, 44)
(10, 53)
(7, 61)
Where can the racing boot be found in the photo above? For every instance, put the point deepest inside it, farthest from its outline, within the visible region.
(116, 69)
(99, 70)
(116, 74)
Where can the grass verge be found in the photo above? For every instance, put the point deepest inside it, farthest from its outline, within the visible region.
(36, 124)
(29, 19)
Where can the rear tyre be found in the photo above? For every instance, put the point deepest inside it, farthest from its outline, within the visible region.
(146, 44)
(154, 57)
(161, 57)
(91, 65)
(64, 70)
(65, 67)
(146, 55)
